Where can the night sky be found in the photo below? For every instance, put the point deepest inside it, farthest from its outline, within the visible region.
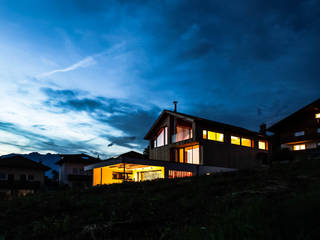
(92, 76)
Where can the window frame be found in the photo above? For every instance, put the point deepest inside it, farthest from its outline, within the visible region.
(165, 137)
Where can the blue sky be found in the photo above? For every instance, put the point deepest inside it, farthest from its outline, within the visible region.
(92, 76)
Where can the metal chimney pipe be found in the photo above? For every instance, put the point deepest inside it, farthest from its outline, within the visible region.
(175, 105)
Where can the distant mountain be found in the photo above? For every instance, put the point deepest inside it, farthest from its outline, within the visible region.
(46, 159)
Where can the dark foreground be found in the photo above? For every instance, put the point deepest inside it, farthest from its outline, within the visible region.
(280, 203)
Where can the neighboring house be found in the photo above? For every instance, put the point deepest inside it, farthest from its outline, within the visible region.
(71, 169)
(298, 135)
(182, 145)
(20, 176)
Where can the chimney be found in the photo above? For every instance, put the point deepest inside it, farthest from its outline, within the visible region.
(175, 105)
(263, 128)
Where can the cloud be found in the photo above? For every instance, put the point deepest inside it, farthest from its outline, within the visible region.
(132, 120)
(86, 62)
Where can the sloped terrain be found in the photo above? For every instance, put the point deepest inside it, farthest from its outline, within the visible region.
(282, 202)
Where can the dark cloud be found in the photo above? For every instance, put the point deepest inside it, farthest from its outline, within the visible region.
(131, 119)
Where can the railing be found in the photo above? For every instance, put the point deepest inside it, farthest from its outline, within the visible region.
(180, 137)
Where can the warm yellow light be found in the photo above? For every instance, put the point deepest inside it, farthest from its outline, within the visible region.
(181, 155)
(318, 115)
(262, 145)
(96, 176)
(116, 174)
(299, 147)
(246, 142)
(235, 140)
(204, 134)
(215, 136)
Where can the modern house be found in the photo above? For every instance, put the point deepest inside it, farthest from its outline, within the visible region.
(182, 145)
(71, 169)
(182, 138)
(298, 135)
(20, 176)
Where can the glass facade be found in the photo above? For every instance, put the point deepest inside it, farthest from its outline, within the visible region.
(162, 138)
(190, 154)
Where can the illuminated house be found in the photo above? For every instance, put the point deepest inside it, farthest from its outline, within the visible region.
(71, 169)
(182, 145)
(181, 138)
(20, 176)
(298, 134)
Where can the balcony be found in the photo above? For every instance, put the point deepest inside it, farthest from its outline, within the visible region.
(181, 136)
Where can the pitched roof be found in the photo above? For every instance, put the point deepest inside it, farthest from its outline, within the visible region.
(131, 154)
(312, 106)
(18, 161)
(77, 158)
(201, 121)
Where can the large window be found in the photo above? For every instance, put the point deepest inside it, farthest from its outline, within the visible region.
(300, 133)
(179, 174)
(299, 147)
(183, 132)
(189, 154)
(246, 142)
(235, 140)
(213, 136)
(162, 138)
(192, 154)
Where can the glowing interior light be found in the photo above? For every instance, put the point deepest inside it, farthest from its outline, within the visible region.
(235, 140)
(318, 115)
(299, 147)
(215, 136)
(246, 142)
(262, 145)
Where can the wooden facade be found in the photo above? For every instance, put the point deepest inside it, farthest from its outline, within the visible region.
(211, 142)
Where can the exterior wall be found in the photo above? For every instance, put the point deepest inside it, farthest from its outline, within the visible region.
(284, 137)
(225, 154)
(38, 175)
(162, 153)
(231, 156)
(66, 169)
(214, 153)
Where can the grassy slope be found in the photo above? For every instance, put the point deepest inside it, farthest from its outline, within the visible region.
(280, 203)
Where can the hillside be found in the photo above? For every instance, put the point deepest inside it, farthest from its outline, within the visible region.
(280, 203)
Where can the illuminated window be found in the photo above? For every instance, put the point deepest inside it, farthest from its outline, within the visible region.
(235, 140)
(162, 138)
(299, 147)
(215, 136)
(179, 174)
(181, 157)
(204, 134)
(183, 131)
(246, 142)
(300, 133)
(318, 115)
(191, 154)
(262, 145)
(187, 155)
